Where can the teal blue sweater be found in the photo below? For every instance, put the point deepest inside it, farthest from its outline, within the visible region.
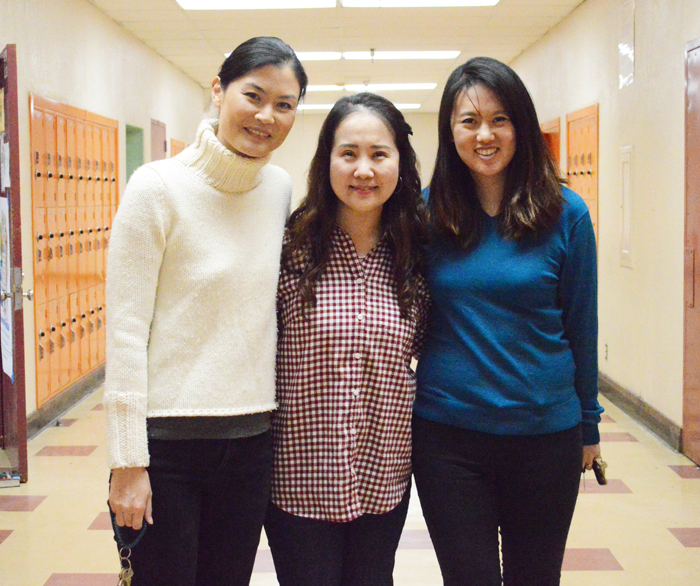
(512, 341)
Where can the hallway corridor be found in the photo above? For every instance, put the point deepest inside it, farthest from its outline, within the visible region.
(643, 528)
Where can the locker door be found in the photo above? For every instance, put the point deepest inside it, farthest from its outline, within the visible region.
(54, 352)
(61, 253)
(91, 253)
(51, 256)
(38, 137)
(61, 148)
(99, 246)
(71, 164)
(113, 192)
(51, 172)
(64, 378)
(42, 356)
(89, 165)
(84, 332)
(101, 329)
(80, 164)
(41, 252)
(92, 327)
(106, 225)
(97, 165)
(81, 250)
(582, 156)
(71, 250)
(74, 337)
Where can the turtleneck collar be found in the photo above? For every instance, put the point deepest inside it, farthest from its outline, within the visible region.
(219, 167)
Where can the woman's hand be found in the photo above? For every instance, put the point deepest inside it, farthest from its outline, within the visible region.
(590, 453)
(130, 497)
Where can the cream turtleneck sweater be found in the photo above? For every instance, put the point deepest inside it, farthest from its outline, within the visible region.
(191, 284)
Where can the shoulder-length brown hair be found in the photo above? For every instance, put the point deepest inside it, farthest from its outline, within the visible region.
(532, 200)
(310, 228)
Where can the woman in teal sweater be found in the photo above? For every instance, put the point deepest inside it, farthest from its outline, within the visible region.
(506, 412)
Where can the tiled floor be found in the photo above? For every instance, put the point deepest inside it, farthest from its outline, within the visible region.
(642, 529)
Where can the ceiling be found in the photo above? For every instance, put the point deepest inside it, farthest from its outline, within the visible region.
(197, 41)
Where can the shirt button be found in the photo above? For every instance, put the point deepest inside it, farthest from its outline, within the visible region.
(360, 316)
(359, 281)
(357, 355)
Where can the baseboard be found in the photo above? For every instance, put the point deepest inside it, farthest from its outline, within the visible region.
(645, 414)
(49, 412)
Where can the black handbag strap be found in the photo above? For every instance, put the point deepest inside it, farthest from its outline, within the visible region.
(118, 534)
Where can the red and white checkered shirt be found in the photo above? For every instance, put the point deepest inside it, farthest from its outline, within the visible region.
(345, 388)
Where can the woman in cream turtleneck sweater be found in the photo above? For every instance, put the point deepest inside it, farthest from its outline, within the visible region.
(191, 334)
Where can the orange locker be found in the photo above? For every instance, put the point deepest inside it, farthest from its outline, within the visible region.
(54, 353)
(38, 136)
(80, 164)
(71, 250)
(98, 244)
(85, 337)
(75, 336)
(51, 171)
(40, 255)
(112, 170)
(107, 224)
(52, 254)
(81, 249)
(92, 327)
(64, 377)
(70, 164)
(61, 253)
(91, 253)
(99, 153)
(101, 329)
(42, 356)
(89, 164)
(61, 178)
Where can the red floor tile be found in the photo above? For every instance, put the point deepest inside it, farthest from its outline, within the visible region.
(66, 422)
(605, 418)
(577, 560)
(689, 537)
(617, 436)
(101, 522)
(24, 504)
(415, 539)
(82, 580)
(66, 451)
(4, 534)
(614, 486)
(263, 562)
(686, 472)
(98, 407)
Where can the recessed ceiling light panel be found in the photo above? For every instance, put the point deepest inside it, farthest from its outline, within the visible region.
(415, 3)
(258, 4)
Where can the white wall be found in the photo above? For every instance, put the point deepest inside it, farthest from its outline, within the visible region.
(70, 52)
(574, 66)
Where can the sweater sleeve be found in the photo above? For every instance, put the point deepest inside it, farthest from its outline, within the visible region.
(579, 298)
(135, 255)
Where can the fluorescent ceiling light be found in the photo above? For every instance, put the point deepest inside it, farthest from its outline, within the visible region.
(386, 87)
(257, 4)
(414, 3)
(401, 54)
(319, 56)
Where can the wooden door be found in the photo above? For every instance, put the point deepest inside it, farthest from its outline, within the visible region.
(582, 157)
(691, 334)
(12, 388)
(159, 146)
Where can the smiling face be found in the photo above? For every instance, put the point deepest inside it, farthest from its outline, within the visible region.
(257, 110)
(483, 134)
(364, 166)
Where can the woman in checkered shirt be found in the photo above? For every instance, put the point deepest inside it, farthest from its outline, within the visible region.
(352, 309)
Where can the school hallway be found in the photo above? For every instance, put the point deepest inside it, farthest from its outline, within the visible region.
(643, 528)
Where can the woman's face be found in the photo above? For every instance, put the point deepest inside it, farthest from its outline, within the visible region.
(364, 165)
(483, 133)
(257, 110)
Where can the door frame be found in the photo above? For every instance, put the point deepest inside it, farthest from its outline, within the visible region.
(14, 391)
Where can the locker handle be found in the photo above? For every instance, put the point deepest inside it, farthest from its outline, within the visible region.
(82, 315)
(70, 176)
(50, 175)
(99, 308)
(73, 320)
(89, 230)
(63, 324)
(98, 229)
(590, 172)
(80, 177)
(41, 334)
(61, 234)
(60, 175)
(106, 179)
(97, 178)
(92, 311)
(40, 237)
(113, 179)
(51, 234)
(53, 329)
(89, 178)
(80, 231)
(71, 233)
(38, 173)
(106, 228)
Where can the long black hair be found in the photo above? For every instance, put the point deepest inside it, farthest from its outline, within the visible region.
(532, 201)
(311, 226)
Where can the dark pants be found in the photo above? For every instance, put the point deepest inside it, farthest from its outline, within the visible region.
(471, 484)
(309, 552)
(209, 502)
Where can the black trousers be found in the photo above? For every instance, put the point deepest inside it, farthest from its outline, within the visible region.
(472, 484)
(361, 552)
(209, 503)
